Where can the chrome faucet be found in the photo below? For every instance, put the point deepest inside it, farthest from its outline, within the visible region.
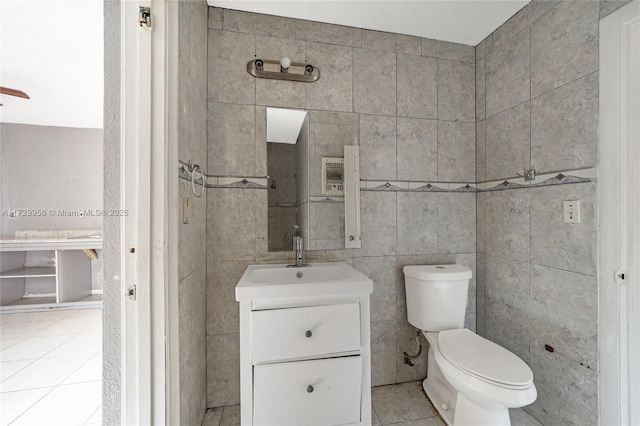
(298, 246)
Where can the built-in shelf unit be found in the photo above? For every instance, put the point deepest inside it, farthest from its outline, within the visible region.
(70, 267)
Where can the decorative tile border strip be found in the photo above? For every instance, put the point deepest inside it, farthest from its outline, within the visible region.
(544, 179)
(463, 187)
(220, 181)
(500, 185)
(413, 186)
(239, 182)
(378, 185)
(325, 199)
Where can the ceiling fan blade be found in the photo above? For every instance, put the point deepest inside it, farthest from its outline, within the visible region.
(13, 92)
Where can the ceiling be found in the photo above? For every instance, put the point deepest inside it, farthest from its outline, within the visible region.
(53, 51)
(459, 21)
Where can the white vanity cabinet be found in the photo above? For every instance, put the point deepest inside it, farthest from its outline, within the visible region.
(306, 360)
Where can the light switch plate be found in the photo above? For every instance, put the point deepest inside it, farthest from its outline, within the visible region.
(572, 211)
(186, 210)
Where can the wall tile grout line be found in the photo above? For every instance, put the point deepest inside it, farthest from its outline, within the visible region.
(530, 304)
(437, 118)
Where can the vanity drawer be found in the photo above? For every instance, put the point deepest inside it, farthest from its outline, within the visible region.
(318, 392)
(287, 334)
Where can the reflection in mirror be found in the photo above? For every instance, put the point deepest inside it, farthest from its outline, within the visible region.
(284, 125)
(287, 138)
(281, 163)
(305, 191)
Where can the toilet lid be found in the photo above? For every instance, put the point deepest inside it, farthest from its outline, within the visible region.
(483, 358)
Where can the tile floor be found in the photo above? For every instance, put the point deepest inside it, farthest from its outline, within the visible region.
(401, 405)
(51, 368)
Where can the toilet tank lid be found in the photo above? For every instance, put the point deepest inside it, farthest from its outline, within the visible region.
(438, 272)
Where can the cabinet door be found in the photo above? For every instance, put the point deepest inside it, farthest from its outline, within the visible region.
(288, 334)
(318, 392)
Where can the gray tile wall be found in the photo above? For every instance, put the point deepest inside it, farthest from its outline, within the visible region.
(192, 133)
(537, 106)
(413, 114)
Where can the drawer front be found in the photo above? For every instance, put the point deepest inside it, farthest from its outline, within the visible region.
(287, 334)
(318, 392)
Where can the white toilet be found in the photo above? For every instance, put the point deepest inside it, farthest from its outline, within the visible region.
(470, 380)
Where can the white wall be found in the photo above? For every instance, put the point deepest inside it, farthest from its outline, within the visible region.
(49, 168)
(111, 296)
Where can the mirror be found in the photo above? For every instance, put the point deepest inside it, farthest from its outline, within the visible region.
(306, 193)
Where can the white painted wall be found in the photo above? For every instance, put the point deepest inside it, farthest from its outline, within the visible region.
(49, 168)
(112, 292)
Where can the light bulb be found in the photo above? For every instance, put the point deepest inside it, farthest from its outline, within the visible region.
(285, 63)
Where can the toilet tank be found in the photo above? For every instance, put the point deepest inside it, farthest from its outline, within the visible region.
(436, 296)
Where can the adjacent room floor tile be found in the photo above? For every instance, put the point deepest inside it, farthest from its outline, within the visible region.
(88, 372)
(44, 372)
(96, 417)
(32, 348)
(9, 368)
(73, 324)
(48, 317)
(21, 330)
(4, 344)
(15, 403)
(84, 343)
(72, 405)
(51, 368)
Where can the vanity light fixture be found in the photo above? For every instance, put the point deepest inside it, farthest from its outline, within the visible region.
(283, 69)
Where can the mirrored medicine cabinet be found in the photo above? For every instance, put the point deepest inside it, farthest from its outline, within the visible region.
(313, 185)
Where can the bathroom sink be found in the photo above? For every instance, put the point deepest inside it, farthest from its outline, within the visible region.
(315, 279)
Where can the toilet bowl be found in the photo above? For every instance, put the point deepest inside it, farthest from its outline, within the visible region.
(486, 379)
(470, 380)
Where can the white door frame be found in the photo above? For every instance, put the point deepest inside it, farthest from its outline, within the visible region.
(135, 143)
(149, 244)
(619, 204)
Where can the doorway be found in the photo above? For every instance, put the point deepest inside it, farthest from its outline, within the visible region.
(51, 206)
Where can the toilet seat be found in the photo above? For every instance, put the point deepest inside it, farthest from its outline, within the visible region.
(484, 359)
(476, 387)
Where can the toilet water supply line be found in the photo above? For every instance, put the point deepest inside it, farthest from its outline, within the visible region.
(408, 357)
(192, 169)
